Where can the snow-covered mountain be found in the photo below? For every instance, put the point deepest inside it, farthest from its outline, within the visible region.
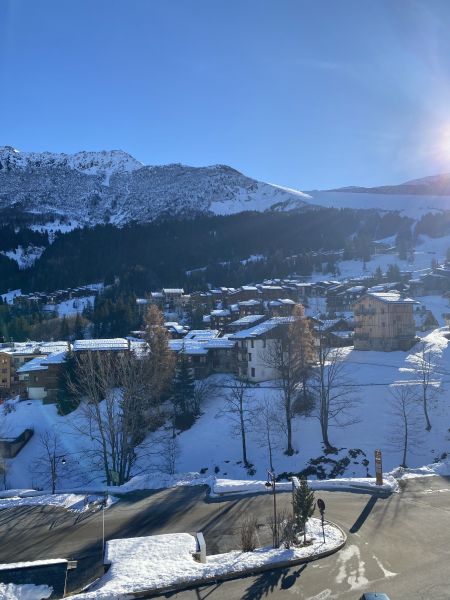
(435, 185)
(112, 186)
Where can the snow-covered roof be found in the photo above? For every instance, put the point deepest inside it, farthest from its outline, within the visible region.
(41, 363)
(188, 346)
(220, 343)
(390, 297)
(249, 302)
(202, 334)
(261, 328)
(173, 290)
(220, 313)
(101, 344)
(247, 320)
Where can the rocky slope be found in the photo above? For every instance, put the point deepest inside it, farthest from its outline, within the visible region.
(111, 186)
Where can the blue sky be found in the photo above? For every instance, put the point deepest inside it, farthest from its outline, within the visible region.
(304, 93)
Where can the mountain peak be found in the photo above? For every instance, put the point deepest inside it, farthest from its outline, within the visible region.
(93, 163)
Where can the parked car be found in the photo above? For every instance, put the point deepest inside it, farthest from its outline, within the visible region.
(374, 596)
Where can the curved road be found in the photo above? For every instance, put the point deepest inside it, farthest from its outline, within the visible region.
(398, 545)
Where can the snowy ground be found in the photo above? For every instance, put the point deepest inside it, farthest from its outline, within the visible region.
(161, 561)
(25, 257)
(27, 591)
(70, 308)
(210, 447)
(426, 250)
(410, 205)
(74, 502)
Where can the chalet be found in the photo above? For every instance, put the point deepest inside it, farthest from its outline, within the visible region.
(336, 333)
(41, 377)
(254, 346)
(384, 321)
(250, 307)
(282, 307)
(206, 354)
(220, 318)
(14, 356)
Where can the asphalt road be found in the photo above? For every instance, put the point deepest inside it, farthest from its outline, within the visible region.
(398, 545)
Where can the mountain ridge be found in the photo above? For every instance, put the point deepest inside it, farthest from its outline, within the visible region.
(112, 186)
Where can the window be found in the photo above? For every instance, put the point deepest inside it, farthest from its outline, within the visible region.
(249, 357)
(264, 342)
(253, 372)
(252, 343)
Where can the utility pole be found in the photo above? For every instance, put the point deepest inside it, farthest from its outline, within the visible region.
(271, 484)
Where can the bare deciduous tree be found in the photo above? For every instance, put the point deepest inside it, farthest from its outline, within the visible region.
(405, 430)
(171, 453)
(291, 355)
(335, 399)
(119, 407)
(237, 408)
(424, 370)
(268, 424)
(49, 462)
(204, 389)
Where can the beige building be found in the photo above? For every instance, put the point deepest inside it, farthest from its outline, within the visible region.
(384, 321)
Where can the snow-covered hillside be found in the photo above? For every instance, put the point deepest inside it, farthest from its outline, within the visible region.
(111, 186)
(409, 205)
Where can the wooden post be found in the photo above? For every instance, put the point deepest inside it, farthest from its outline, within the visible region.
(378, 467)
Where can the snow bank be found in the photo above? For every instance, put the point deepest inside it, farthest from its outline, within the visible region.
(231, 486)
(164, 561)
(156, 481)
(73, 502)
(28, 591)
(441, 469)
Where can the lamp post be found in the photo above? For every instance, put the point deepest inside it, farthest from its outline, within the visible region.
(271, 484)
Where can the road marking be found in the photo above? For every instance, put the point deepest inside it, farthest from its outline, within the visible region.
(385, 572)
(351, 568)
(325, 595)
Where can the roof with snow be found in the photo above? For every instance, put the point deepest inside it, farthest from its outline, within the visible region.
(101, 344)
(262, 328)
(41, 363)
(390, 297)
(202, 334)
(247, 320)
(220, 313)
(249, 302)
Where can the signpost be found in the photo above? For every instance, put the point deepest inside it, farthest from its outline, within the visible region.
(321, 507)
(378, 467)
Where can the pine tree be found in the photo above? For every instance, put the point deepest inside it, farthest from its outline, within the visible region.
(378, 275)
(303, 504)
(184, 386)
(78, 331)
(64, 329)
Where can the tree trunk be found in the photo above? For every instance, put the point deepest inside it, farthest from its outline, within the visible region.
(425, 412)
(244, 444)
(405, 444)
(289, 450)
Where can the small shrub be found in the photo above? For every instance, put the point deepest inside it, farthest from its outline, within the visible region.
(248, 534)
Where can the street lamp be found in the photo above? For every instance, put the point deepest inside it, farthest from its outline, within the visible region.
(271, 484)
